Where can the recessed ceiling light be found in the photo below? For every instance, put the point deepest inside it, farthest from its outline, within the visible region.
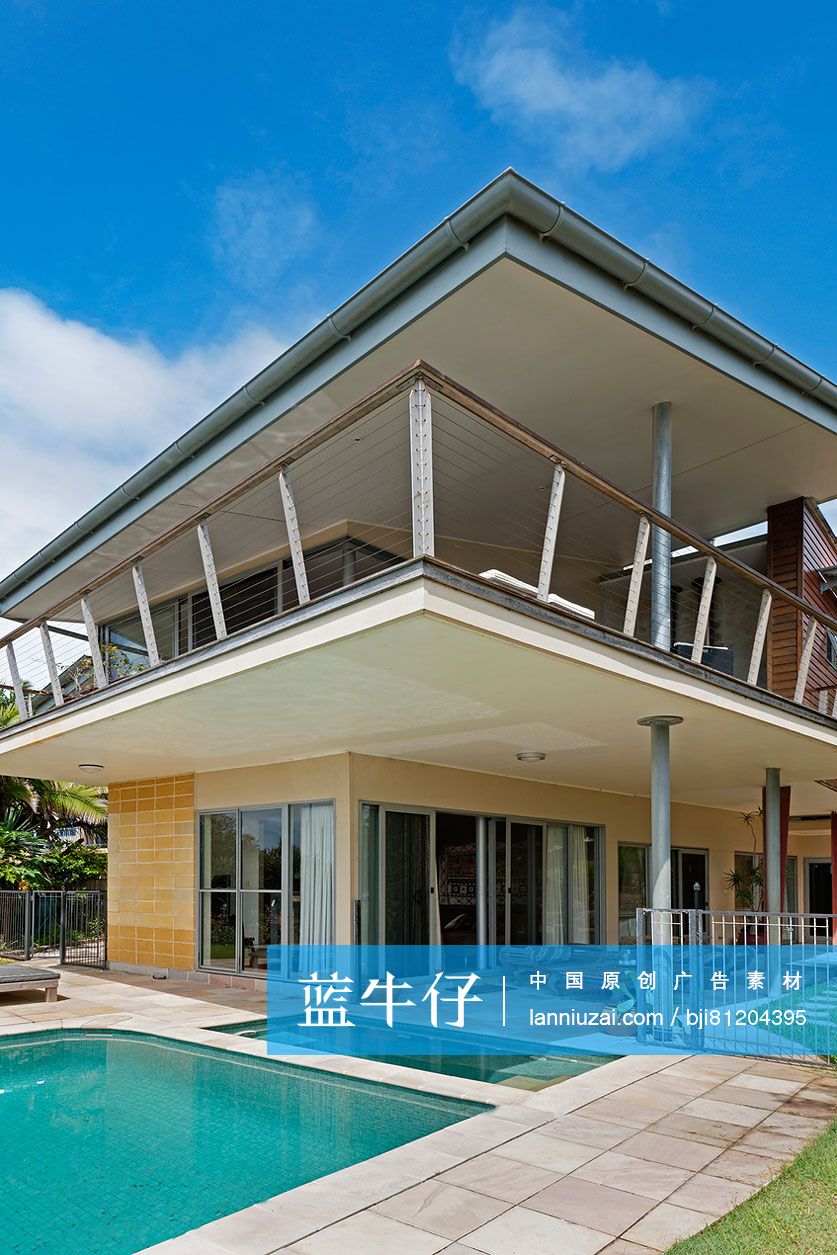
(531, 756)
(91, 766)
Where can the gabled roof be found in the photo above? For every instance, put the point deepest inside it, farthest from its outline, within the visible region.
(508, 197)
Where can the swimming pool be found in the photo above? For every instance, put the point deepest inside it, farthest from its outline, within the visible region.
(113, 1141)
(521, 1070)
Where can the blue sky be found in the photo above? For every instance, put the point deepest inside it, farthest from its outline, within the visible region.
(189, 186)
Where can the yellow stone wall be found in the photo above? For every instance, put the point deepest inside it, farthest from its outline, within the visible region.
(151, 872)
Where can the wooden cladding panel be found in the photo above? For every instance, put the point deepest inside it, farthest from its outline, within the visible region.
(799, 545)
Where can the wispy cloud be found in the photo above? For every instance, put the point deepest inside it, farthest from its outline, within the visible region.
(81, 410)
(261, 224)
(531, 71)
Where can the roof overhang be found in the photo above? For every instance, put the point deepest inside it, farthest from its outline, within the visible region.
(424, 665)
(537, 309)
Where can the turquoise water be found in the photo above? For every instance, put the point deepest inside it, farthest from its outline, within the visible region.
(525, 1070)
(114, 1141)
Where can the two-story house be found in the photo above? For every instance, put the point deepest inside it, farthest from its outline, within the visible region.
(431, 632)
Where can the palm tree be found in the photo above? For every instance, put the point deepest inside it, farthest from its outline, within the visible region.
(43, 807)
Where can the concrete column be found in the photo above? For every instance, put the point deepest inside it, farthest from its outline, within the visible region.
(660, 726)
(660, 539)
(772, 841)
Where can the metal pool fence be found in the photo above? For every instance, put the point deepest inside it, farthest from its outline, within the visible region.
(67, 924)
(719, 1005)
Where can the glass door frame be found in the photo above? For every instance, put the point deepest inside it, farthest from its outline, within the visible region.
(385, 809)
(286, 880)
(809, 863)
(238, 893)
(677, 851)
(492, 820)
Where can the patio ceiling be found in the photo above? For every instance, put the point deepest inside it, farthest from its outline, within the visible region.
(424, 672)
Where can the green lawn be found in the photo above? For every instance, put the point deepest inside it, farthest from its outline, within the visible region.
(796, 1212)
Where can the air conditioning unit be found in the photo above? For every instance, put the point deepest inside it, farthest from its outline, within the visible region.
(718, 657)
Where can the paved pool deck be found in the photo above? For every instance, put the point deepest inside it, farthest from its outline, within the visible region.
(626, 1159)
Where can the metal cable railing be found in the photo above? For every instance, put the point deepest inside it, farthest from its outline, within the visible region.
(419, 468)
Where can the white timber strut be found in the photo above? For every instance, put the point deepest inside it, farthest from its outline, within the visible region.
(93, 641)
(702, 624)
(145, 616)
(760, 637)
(550, 536)
(635, 587)
(805, 659)
(421, 470)
(20, 696)
(211, 577)
(660, 538)
(294, 538)
(52, 670)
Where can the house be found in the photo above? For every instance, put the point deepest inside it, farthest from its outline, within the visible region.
(499, 606)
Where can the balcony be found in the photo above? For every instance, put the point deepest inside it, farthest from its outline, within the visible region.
(422, 469)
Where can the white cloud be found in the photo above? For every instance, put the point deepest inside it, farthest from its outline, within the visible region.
(532, 72)
(262, 223)
(81, 410)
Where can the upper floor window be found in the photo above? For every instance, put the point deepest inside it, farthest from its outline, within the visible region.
(185, 623)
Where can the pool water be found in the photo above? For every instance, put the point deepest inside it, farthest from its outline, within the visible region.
(520, 1070)
(114, 1141)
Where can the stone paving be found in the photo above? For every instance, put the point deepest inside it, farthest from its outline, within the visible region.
(626, 1159)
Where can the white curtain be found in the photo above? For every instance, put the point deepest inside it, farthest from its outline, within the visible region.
(555, 886)
(580, 886)
(316, 873)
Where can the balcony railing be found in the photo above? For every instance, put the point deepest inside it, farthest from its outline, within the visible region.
(422, 468)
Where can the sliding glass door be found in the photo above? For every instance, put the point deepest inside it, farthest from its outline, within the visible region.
(397, 882)
(265, 877)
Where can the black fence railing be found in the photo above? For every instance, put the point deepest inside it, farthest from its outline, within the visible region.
(69, 925)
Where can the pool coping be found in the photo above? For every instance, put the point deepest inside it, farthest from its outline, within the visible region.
(378, 1204)
(286, 1218)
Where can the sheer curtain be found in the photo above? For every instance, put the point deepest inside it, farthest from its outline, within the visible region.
(316, 886)
(581, 886)
(555, 886)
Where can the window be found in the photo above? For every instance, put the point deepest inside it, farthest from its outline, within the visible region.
(831, 648)
(334, 565)
(185, 623)
(245, 601)
(633, 887)
(125, 649)
(266, 877)
(749, 883)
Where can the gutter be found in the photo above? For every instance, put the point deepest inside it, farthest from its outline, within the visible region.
(509, 195)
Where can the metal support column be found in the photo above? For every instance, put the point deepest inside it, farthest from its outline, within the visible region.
(661, 539)
(660, 726)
